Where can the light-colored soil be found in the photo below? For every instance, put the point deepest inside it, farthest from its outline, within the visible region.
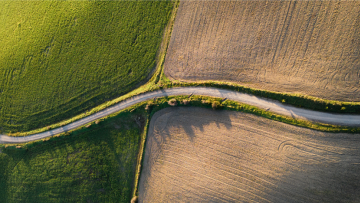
(307, 47)
(202, 155)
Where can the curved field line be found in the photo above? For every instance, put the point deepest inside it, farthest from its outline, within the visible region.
(270, 105)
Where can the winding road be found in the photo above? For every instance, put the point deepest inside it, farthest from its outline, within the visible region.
(267, 104)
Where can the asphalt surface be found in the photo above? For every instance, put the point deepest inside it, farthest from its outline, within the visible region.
(267, 104)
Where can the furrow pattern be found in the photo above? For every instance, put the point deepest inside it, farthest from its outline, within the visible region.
(200, 155)
(306, 47)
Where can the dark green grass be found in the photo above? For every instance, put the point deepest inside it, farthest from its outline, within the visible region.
(95, 164)
(61, 58)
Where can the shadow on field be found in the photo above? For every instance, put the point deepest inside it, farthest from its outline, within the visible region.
(189, 119)
(168, 125)
(273, 161)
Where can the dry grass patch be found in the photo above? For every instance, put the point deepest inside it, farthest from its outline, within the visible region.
(205, 102)
(134, 199)
(200, 155)
(185, 102)
(306, 47)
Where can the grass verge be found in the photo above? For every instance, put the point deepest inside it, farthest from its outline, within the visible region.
(208, 102)
(140, 156)
(303, 101)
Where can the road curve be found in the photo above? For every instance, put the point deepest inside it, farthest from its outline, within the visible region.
(269, 105)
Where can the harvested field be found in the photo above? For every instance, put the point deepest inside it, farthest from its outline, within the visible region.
(306, 47)
(202, 155)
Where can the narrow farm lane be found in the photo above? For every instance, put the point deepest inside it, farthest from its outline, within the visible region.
(270, 105)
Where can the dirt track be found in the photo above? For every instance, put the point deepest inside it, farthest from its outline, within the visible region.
(201, 155)
(269, 105)
(307, 47)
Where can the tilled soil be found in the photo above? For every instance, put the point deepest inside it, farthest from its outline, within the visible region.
(201, 155)
(306, 47)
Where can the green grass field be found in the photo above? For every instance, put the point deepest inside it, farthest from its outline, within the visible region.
(61, 58)
(95, 164)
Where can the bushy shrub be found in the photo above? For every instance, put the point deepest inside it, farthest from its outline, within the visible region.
(186, 102)
(172, 102)
(216, 105)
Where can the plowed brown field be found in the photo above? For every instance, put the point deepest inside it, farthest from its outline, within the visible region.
(201, 155)
(307, 47)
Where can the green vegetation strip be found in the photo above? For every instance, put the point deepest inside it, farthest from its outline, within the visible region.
(61, 58)
(218, 103)
(140, 156)
(297, 100)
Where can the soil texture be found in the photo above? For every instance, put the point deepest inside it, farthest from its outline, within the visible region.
(306, 47)
(203, 155)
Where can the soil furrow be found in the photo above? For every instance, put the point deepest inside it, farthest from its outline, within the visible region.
(303, 47)
(245, 158)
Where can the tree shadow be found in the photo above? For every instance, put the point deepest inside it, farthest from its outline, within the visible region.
(187, 118)
(163, 127)
(312, 167)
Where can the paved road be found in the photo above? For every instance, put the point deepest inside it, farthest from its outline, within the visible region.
(270, 105)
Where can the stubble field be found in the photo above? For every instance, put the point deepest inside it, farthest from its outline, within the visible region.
(201, 155)
(306, 47)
